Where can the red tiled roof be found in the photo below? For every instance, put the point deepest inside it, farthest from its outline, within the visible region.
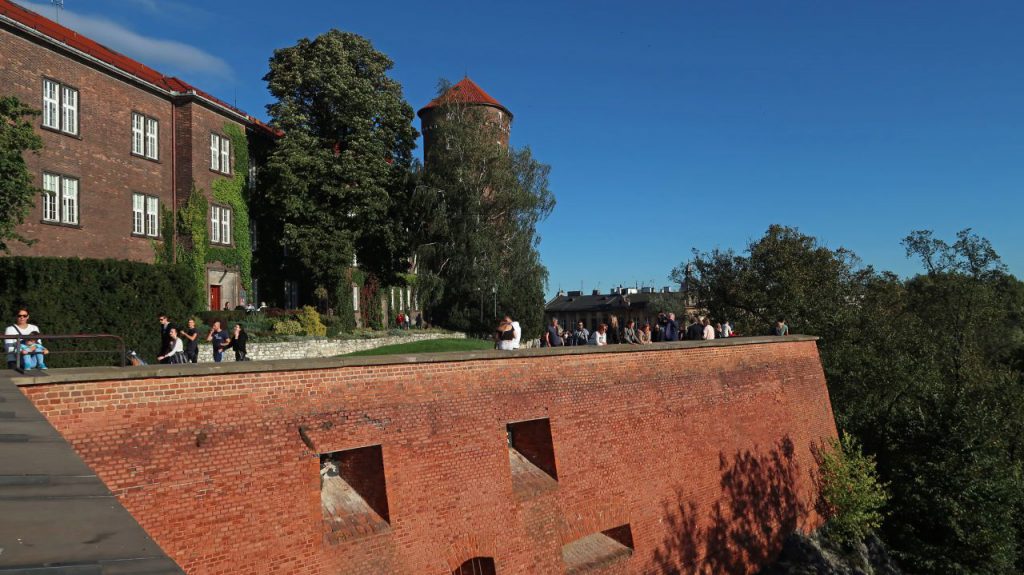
(465, 92)
(94, 49)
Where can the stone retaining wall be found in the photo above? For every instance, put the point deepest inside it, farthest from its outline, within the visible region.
(315, 348)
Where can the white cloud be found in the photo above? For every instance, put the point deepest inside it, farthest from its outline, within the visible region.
(180, 57)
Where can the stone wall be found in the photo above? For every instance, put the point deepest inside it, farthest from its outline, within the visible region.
(320, 348)
(685, 457)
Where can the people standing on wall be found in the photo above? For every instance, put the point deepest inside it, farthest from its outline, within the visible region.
(629, 334)
(552, 335)
(780, 327)
(504, 335)
(581, 336)
(20, 327)
(695, 330)
(176, 351)
(517, 330)
(191, 341)
(671, 330)
(614, 336)
(600, 335)
(709, 331)
(238, 342)
(645, 334)
(220, 340)
(165, 338)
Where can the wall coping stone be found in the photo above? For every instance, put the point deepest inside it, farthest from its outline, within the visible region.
(87, 374)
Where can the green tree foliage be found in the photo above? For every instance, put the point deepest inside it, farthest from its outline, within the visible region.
(310, 321)
(851, 494)
(335, 176)
(477, 207)
(925, 371)
(17, 193)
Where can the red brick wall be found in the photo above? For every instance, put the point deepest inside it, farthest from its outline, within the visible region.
(697, 449)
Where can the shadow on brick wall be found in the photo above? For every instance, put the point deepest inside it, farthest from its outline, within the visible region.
(745, 528)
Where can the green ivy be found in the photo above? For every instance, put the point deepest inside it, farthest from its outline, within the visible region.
(345, 312)
(232, 192)
(194, 249)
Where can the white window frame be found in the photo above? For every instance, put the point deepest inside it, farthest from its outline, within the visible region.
(215, 152)
(220, 225)
(51, 195)
(152, 216)
(225, 155)
(152, 138)
(69, 110)
(220, 154)
(51, 104)
(138, 134)
(215, 224)
(69, 200)
(138, 214)
(60, 107)
(225, 226)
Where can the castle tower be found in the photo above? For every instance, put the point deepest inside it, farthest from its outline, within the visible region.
(466, 92)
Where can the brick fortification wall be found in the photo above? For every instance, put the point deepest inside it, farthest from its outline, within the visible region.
(679, 458)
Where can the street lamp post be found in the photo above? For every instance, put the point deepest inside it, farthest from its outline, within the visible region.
(494, 290)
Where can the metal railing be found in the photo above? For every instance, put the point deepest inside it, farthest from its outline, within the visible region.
(121, 350)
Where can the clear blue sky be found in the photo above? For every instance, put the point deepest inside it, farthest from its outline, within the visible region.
(680, 125)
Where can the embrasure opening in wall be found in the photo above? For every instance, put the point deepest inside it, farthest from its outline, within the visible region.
(531, 454)
(476, 566)
(353, 492)
(598, 550)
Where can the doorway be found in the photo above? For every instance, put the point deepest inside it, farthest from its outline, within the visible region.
(215, 302)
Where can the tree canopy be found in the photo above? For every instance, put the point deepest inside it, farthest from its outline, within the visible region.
(926, 371)
(17, 193)
(477, 206)
(335, 177)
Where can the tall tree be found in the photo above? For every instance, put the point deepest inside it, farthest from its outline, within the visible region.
(477, 207)
(335, 176)
(17, 193)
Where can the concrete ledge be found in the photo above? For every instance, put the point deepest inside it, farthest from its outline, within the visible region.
(84, 374)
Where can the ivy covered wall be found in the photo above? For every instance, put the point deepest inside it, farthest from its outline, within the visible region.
(194, 249)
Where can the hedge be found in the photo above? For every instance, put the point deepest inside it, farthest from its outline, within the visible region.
(72, 296)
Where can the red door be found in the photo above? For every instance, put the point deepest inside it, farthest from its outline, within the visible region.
(215, 297)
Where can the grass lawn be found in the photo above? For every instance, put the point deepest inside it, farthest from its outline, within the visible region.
(427, 346)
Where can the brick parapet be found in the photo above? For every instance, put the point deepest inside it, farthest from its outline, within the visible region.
(699, 448)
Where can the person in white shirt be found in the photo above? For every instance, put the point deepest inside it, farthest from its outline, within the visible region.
(518, 331)
(600, 335)
(709, 330)
(21, 326)
(726, 329)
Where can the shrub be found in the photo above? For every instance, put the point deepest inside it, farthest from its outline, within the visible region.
(288, 327)
(851, 495)
(310, 320)
(73, 296)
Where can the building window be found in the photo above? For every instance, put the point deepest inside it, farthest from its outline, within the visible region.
(220, 225)
(220, 154)
(145, 215)
(145, 136)
(355, 297)
(60, 199)
(60, 107)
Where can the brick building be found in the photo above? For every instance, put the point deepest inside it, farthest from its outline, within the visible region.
(122, 143)
(639, 305)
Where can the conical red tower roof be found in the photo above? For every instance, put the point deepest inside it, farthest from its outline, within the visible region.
(465, 92)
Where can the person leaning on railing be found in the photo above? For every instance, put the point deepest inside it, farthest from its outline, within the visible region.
(20, 327)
